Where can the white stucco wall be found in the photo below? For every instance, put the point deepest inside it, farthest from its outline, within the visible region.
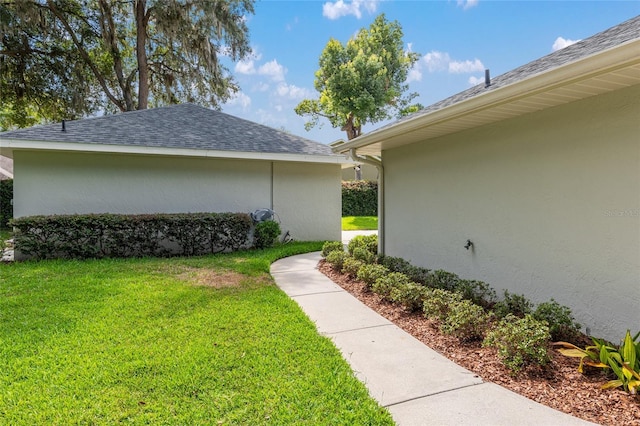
(69, 183)
(550, 200)
(308, 199)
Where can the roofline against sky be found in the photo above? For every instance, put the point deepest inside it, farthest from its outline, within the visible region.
(617, 57)
(7, 146)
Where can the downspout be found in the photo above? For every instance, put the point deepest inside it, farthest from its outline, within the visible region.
(378, 164)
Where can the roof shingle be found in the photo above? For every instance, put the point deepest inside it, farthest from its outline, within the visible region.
(177, 126)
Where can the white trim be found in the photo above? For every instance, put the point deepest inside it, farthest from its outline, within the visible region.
(15, 144)
(6, 172)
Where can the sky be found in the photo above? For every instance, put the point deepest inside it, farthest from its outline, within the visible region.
(456, 39)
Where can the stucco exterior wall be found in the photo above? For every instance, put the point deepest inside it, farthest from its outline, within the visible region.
(550, 200)
(307, 197)
(75, 183)
(369, 172)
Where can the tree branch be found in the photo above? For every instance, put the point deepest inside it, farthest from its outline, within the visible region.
(85, 56)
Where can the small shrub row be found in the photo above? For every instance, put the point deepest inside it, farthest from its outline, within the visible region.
(265, 234)
(111, 235)
(466, 309)
(359, 198)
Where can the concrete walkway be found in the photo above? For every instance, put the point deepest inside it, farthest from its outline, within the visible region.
(417, 385)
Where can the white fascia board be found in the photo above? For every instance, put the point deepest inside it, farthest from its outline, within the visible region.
(616, 58)
(8, 145)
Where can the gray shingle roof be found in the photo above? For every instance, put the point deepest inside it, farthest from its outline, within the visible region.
(614, 36)
(177, 126)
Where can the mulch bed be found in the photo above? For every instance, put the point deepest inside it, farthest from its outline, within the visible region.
(557, 385)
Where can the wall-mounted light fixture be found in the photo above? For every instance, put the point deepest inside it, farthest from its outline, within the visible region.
(468, 245)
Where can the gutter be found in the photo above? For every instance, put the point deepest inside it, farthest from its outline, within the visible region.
(378, 164)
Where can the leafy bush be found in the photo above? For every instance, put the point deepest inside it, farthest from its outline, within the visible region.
(330, 246)
(515, 304)
(623, 361)
(351, 266)
(465, 320)
(370, 273)
(365, 242)
(363, 255)
(6, 208)
(359, 198)
(520, 341)
(265, 234)
(385, 284)
(445, 280)
(478, 292)
(110, 235)
(411, 296)
(438, 302)
(562, 325)
(336, 259)
(394, 264)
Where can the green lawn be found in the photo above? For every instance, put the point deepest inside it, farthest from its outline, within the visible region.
(207, 340)
(359, 223)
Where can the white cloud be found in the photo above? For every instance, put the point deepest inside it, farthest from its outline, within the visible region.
(261, 86)
(415, 74)
(561, 43)
(463, 67)
(293, 92)
(436, 61)
(467, 4)
(273, 69)
(475, 80)
(246, 67)
(239, 99)
(340, 8)
(441, 61)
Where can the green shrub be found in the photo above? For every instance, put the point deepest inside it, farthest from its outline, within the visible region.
(365, 242)
(363, 255)
(410, 296)
(562, 324)
(110, 235)
(520, 342)
(359, 198)
(465, 320)
(370, 273)
(265, 234)
(515, 304)
(351, 265)
(394, 264)
(444, 280)
(6, 208)
(438, 302)
(385, 284)
(330, 246)
(336, 259)
(478, 292)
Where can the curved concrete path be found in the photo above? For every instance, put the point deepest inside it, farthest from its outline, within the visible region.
(418, 385)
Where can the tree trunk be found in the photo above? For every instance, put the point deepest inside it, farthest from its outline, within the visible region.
(352, 130)
(141, 53)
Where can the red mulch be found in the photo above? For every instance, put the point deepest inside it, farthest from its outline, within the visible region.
(557, 385)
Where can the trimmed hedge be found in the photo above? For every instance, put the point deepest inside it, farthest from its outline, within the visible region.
(6, 208)
(111, 235)
(359, 198)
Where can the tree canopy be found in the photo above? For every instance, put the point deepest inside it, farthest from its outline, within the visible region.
(362, 81)
(68, 58)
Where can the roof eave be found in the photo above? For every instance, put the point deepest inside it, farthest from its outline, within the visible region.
(7, 146)
(616, 58)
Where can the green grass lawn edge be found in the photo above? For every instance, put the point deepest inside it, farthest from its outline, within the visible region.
(359, 223)
(155, 341)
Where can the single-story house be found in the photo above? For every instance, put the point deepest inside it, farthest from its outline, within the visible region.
(176, 159)
(539, 168)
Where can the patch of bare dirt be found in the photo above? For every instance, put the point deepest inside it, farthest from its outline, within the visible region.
(557, 385)
(212, 278)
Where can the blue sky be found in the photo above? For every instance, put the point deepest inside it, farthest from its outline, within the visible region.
(457, 41)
